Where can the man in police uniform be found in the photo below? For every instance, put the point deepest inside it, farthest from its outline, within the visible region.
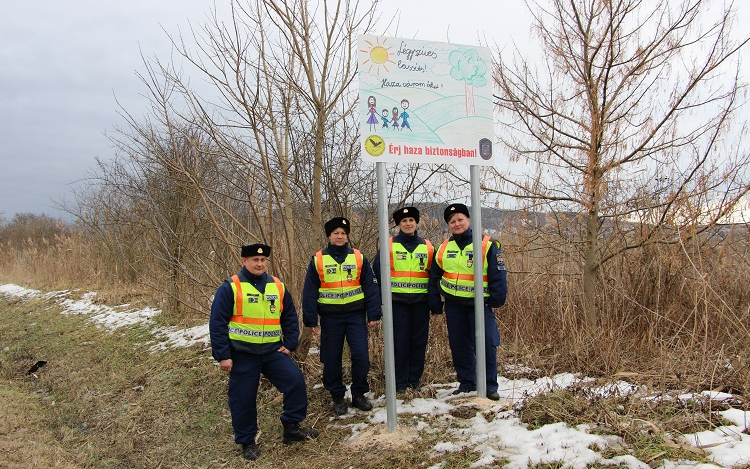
(339, 288)
(410, 260)
(254, 328)
(452, 279)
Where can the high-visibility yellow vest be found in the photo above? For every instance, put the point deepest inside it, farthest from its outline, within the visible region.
(256, 315)
(458, 268)
(339, 283)
(410, 270)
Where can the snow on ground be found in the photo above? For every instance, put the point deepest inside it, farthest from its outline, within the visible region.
(487, 427)
(113, 318)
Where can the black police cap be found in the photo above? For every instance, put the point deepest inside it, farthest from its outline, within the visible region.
(256, 249)
(337, 222)
(406, 212)
(452, 209)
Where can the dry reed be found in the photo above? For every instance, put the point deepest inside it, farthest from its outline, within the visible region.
(669, 315)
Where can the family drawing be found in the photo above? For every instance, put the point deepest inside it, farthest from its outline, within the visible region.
(386, 118)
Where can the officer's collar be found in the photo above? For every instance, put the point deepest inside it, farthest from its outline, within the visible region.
(252, 278)
(333, 249)
(466, 234)
(406, 237)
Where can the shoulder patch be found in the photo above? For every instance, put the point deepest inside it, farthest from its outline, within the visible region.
(499, 256)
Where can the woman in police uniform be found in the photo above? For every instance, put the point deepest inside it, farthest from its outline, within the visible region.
(410, 260)
(340, 290)
(452, 280)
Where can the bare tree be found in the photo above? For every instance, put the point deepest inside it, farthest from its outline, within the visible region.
(283, 71)
(629, 124)
(262, 149)
(282, 108)
(323, 40)
(144, 208)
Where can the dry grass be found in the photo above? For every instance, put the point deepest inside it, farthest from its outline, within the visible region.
(651, 427)
(675, 316)
(104, 401)
(24, 439)
(672, 318)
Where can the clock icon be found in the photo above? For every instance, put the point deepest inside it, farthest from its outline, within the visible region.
(374, 145)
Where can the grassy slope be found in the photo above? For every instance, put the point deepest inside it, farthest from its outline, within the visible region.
(103, 400)
(24, 440)
(81, 408)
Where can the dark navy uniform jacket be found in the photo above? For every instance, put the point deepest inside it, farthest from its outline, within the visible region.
(310, 291)
(497, 282)
(410, 242)
(223, 307)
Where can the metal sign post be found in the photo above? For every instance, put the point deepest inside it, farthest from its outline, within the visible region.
(385, 296)
(479, 260)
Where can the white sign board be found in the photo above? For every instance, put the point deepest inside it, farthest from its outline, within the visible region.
(425, 102)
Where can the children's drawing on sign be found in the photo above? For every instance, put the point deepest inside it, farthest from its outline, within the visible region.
(405, 115)
(468, 67)
(394, 119)
(384, 118)
(372, 119)
(378, 56)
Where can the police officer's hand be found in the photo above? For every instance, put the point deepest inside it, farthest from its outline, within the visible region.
(371, 324)
(314, 330)
(284, 350)
(226, 365)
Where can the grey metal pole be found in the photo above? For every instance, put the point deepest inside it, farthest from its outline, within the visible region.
(385, 296)
(476, 225)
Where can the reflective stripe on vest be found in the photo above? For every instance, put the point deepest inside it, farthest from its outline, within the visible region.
(256, 317)
(410, 270)
(458, 268)
(339, 283)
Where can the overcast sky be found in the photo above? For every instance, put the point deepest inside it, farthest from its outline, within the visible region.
(62, 64)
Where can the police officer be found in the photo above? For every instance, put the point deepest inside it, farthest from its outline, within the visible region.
(410, 260)
(254, 328)
(452, 279)
(339, 288)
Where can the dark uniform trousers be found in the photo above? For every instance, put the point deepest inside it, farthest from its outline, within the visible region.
(461, 335)
(334, 328)
(244, 379)
(411, 325)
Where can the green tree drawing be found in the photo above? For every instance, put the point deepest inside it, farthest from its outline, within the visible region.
(468, 67)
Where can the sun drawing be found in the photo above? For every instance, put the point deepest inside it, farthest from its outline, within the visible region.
(379, 57)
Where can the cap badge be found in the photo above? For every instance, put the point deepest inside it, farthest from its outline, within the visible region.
(260, 250)
(406, 210)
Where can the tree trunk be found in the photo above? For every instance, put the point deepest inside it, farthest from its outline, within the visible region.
(590, 269)
(317, 215)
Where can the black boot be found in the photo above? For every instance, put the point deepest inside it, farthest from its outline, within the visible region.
(250, 451)
(293, 432)
(339, 406)
(360, 402)
(461, 390)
